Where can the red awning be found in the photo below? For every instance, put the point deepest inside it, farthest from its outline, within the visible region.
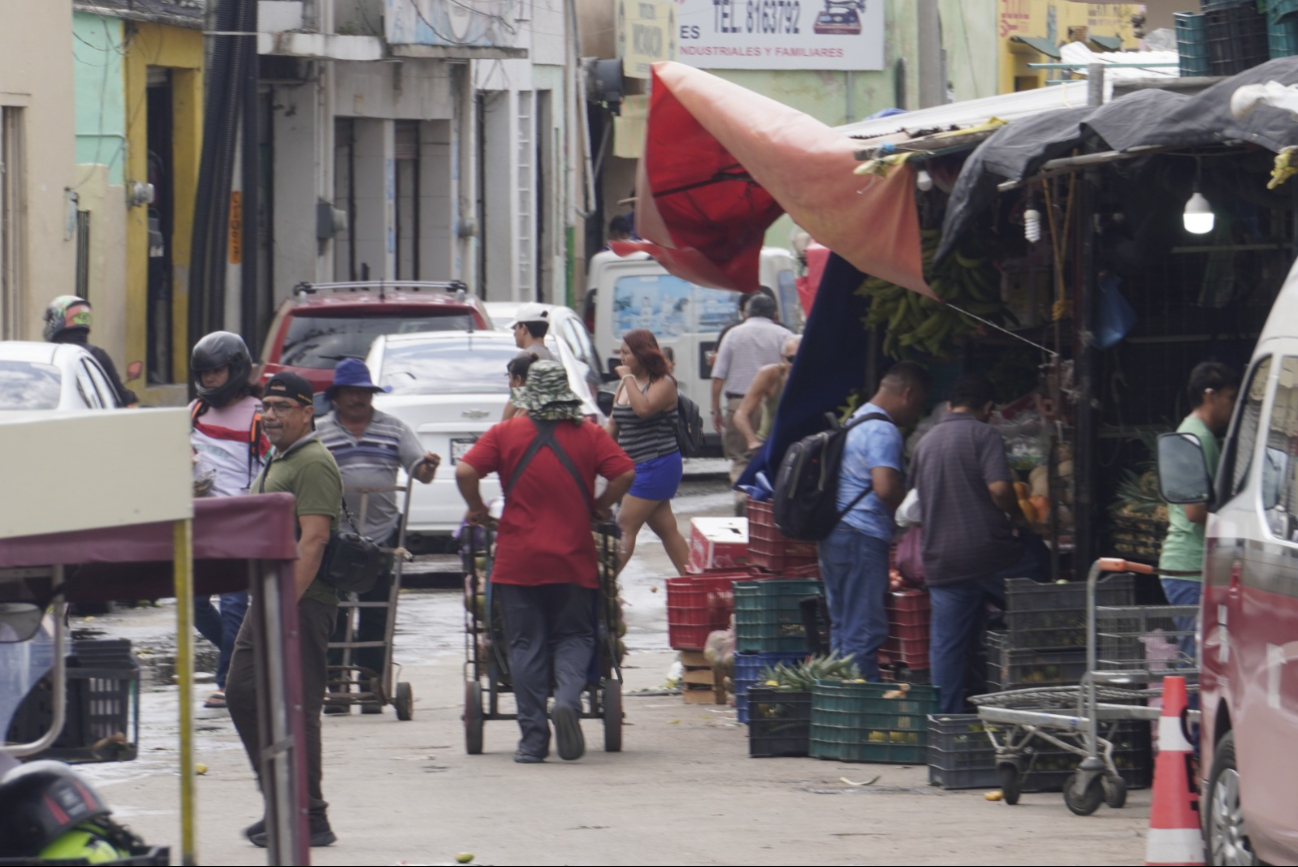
(721, 163)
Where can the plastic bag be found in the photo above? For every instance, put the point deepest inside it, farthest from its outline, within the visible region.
(910, 557)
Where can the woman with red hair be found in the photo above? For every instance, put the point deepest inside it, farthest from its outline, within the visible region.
(644, 424)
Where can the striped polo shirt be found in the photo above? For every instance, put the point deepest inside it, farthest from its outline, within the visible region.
(371, 461)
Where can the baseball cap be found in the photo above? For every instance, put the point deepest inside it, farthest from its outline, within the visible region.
(532, 313)
(292, 386)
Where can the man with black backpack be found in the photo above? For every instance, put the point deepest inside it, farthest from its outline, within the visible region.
(545, 572)
(854, 554)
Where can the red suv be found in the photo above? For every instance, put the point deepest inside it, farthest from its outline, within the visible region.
(323, 323)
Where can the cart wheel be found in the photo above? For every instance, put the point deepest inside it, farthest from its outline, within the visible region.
(1011, 782)
(1087, 801)
(1115, 792)
(612, 716)
(473, 718)
(405, 702)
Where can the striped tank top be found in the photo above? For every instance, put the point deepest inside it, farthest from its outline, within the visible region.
(644, 439)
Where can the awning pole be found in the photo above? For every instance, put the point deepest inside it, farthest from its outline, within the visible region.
(184, 579)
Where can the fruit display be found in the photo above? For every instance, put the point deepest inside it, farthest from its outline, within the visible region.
(1139, 517)
(803, 676)
(914, 324)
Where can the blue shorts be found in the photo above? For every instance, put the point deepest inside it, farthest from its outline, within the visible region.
(658, 478)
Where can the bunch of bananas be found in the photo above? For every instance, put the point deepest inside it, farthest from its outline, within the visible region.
(915, 324)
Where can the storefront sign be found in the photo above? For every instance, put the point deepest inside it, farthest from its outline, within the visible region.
(646, 34)
(782, 34)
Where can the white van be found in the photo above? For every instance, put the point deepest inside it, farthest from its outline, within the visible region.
(626, 293)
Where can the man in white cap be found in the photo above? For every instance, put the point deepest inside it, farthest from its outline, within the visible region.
(530, 328)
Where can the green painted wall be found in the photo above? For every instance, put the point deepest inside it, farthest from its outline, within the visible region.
(97, 49)
(971, 43)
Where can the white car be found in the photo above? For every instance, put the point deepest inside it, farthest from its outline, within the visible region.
(566, 330)
(450, 387)
(40, 376)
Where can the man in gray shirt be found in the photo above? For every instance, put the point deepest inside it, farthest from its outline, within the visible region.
(370, 446)
(966, 498)
(747, 348)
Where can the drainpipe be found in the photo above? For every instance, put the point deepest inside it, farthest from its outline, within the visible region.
(467, 229)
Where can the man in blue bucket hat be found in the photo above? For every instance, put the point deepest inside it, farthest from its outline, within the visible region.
(370, 446)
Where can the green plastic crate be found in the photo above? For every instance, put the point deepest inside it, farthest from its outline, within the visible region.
(768, 615)
(853, 722)
(1282, 38)
(1192, 43)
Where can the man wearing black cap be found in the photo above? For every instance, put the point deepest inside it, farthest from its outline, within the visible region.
(299, 465)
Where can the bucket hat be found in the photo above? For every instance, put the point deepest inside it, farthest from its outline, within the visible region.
(547, 395)
(351, 373)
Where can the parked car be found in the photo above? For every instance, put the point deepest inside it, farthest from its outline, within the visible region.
(629, 292)
(323, 323)
(566, 327)
(450, 387)
(1249, 615)
(52, 376)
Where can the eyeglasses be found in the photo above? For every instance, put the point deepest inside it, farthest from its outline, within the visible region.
(279, 408)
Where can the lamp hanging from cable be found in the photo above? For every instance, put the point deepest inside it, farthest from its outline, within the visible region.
(1198, 217)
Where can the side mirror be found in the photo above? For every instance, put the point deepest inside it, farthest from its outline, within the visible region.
(605, 401)
(1183, 476)
(19, 621)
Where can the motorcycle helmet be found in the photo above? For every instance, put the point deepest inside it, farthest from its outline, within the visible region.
(85, 844)
(65, 313)
(42, 801)
(216, 350)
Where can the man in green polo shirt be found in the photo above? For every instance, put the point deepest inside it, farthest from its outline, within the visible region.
(1212, 390)
(299, 465)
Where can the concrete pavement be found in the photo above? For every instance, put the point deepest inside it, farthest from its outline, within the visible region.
(683, 792)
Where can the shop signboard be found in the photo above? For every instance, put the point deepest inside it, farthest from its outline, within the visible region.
(646, 34)
(455, 23)
(782, 34)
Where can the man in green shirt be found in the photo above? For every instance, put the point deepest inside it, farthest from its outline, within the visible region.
(299, 465)
(1212, 390)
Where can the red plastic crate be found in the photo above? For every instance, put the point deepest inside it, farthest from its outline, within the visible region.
(698, 605)
(770, 549)
(910, 652)
(908, 601)
(918, 632)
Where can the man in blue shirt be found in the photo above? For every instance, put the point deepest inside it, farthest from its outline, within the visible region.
(854, 557)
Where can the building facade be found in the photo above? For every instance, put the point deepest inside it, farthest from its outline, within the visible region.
(38, 184)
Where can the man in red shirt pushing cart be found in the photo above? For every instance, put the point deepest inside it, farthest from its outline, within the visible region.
(546, 570)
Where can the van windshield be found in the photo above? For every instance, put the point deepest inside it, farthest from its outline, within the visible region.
(320, 342)
(669, 306)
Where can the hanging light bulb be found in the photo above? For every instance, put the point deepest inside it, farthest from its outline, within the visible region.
(1032, 225)
(1198, 217)
(924, 180)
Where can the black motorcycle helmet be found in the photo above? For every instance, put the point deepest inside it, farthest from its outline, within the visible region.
(216, 350)
(39, 802)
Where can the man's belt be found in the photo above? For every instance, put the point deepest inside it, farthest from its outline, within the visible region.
(730, 395)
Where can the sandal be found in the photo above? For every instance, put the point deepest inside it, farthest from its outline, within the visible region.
(216, 700)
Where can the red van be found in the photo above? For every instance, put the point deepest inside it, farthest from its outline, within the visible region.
(1249, 632)
(323, 323)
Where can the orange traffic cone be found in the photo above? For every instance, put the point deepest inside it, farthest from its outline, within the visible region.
(1174, 835)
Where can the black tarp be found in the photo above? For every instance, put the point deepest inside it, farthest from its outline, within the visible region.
(1146, 118)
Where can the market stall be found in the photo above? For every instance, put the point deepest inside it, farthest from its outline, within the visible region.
(131, 532)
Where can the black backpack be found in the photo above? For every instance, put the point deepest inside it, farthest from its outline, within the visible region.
(805, 502)
(689, 426)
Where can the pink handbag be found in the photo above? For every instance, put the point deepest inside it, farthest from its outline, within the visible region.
(910, 557)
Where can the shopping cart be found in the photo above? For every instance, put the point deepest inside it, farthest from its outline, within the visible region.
(1129, 649)
(351, 683)
(486, 663)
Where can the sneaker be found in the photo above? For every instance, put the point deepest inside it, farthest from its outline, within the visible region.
(567, 733)
(256, 829)
(216, 700)
(337, 709)
(528, 758)
(321, 834)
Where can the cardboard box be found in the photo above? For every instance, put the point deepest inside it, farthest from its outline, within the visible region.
(718, 543)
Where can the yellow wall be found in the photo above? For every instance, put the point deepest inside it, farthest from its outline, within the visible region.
(1052, 19)
(182, 51)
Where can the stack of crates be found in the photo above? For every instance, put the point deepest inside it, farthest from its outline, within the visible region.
(1282, 28)
(768, 614)
(1045, 640)
(748, 673)
(871, 722)
(698, 605)
(1192, 43)
(770, 549)
(909, 616)
(1237, 37)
